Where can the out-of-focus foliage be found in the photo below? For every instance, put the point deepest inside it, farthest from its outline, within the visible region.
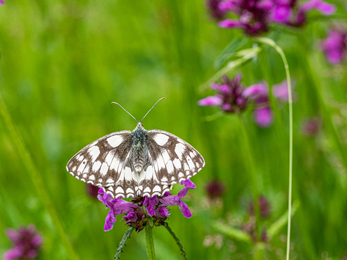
(64, 62)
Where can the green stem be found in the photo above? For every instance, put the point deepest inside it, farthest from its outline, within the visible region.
(149, 242)
(271, 43)
(183, 253)
(122, 242)
(252, 168)
(35, 177)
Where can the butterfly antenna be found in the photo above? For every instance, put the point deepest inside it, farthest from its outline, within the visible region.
(126, 110)
(151, 109)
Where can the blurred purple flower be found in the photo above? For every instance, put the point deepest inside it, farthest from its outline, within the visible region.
(139, 209)
(2, 2)
(254, 16)
(264, 207)
(215, 189)
(214, 9)
(259, 93)
(92, 190)
(280, 91)
(335, 46)
(311, 126)
(229, 98)
(298, 19)
(263, 116)
(26, 243)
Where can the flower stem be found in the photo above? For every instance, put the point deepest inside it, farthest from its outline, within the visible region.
(122, 242)
(149, 242)
(183, 253)
(271, 43)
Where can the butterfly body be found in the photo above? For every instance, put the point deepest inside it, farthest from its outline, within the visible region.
(139, 148)
(136, 163)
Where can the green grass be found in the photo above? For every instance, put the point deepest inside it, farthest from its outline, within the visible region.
(63, 63)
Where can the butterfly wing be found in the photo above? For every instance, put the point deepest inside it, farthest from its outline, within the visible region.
(101, 163)
(173, 159)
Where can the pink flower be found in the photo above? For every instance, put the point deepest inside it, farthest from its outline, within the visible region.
(137, 211)
(280, 91)
(26, 243)
(335, 46)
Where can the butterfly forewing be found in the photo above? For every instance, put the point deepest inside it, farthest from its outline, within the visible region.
(173, 159)
(101, 162)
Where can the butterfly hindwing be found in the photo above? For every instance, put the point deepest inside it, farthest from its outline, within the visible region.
(101, 163)
(173, 159)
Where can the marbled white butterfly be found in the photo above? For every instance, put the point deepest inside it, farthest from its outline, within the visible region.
(136, 163)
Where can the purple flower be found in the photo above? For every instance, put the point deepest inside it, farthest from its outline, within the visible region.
(335, 46)
(140, 209)
(280, 91)
(311, 126)
(215, 189)
(299, 18)
(229, 98)
(214, 9)
(259, 93)
(92, 190)
(264, 207)
(2, 2)
(253, 15)
(263, 116)
(26, 243)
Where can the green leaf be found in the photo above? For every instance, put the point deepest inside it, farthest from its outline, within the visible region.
(282, 221)
(122, 242)
(231, 232)
(245, 56)
(229, 51)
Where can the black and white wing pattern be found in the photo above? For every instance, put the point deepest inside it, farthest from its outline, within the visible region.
(173, 159)
(138, 163)
(102, 162)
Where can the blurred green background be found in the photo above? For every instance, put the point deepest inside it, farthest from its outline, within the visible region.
(64, 62)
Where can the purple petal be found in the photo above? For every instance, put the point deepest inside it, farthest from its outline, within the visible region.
(226, 107)
(335, 46)
(228, 5)
(101, 190)
(263, 116)
(13, 253)
(183, 193)
(215, 86)
(225, 89)
(281, 14)
(162, 212)
(36, 240)
(12, 234)
(185, 210)
(152, 202)
(326, 8)
(256, 91)
(2, 2)
(211, 101)
(280, 91)
(32, 254)
(188, 184)
(229, 23)
(109, 221)
(323, 7)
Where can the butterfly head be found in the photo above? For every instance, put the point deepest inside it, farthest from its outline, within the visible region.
(139, 126)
